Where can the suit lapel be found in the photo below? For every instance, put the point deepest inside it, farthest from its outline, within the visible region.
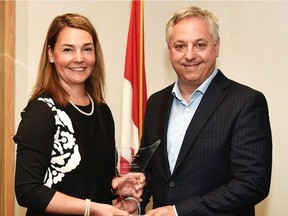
(210, 101)
(166, 103)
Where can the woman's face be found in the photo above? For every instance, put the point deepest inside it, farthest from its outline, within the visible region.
(73, 56)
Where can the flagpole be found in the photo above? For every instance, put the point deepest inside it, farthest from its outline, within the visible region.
(141, 72)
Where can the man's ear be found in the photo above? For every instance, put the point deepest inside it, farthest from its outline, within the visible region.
(217, 46)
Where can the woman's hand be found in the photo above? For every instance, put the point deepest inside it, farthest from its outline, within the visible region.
(129, 185)
(98, 209)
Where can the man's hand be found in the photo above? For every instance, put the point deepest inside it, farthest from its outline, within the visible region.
(127, 205)
(161, 211)
(129, 185)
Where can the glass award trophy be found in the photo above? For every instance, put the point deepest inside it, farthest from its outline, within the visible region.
(128, 161)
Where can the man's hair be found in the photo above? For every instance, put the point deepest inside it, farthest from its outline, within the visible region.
(193, 11)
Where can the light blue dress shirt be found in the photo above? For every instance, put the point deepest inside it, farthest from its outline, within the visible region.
(180, 117)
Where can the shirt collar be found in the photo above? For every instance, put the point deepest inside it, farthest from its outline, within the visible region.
(201, 89)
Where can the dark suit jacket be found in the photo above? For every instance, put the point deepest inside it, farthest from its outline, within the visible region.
(224, 165)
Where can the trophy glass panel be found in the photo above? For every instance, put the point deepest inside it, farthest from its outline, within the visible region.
(128, 161)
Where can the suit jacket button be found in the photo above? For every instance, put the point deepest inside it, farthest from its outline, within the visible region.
(171, 184)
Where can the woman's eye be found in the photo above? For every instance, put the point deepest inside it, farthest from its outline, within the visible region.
(88, 49)
(67, 50)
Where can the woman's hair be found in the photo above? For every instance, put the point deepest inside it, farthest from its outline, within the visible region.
(193, 11)
(48, 80)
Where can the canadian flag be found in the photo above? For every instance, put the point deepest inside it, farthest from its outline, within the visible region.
(134, 87)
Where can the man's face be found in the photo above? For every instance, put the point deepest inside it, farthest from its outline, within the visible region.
(192, 52)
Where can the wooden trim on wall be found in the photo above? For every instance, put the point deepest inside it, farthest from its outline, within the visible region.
(7, 106)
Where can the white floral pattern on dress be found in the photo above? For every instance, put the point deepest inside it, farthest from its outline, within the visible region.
(65, 154)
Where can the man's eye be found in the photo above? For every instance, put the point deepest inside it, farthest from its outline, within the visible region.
(201, 45)
(180, 47)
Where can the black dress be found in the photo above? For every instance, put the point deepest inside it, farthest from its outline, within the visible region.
(60, 149)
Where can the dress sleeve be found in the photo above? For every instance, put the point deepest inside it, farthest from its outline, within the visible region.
(34, 139)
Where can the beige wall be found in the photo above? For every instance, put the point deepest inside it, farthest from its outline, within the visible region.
(254, 47)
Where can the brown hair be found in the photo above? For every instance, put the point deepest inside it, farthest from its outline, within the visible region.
(47, 78)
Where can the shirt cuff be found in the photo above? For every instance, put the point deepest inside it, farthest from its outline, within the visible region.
(175, 210)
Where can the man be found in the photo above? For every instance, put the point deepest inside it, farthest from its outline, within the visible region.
(215, 154)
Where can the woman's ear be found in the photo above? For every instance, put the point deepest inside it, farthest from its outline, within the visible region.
(50, 54)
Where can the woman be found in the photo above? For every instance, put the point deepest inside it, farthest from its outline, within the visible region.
(66, 147)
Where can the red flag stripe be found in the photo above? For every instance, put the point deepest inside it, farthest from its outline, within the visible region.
(134, 87)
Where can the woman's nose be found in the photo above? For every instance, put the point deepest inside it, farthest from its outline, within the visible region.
(79, 57)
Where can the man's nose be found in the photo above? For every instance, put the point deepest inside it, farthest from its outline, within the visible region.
(190, 53)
